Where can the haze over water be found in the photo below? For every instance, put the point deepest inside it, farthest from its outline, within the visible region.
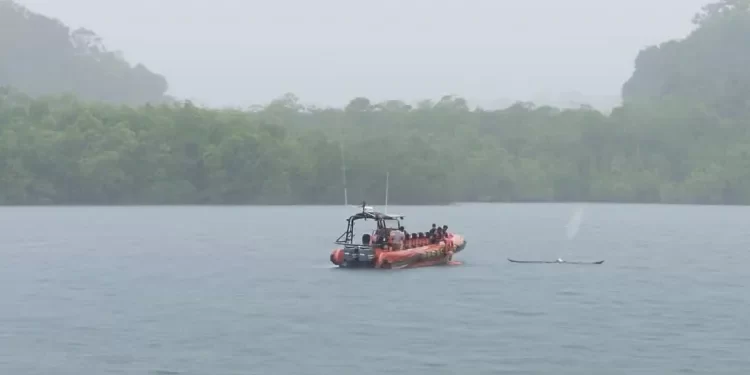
(249, 290)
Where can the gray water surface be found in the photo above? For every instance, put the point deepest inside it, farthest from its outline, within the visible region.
(250, 290)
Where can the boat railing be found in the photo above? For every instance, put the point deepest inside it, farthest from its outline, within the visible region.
(356, 246)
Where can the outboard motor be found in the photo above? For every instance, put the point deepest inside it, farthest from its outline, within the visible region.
(358, 256)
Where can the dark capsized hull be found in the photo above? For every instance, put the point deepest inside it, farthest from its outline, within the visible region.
(551, 262)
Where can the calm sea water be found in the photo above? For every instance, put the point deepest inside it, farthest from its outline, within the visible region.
(249, 290)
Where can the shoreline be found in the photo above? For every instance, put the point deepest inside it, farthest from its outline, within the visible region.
(355, 207)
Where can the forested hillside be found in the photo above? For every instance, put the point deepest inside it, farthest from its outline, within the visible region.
(711, 66)
(682, 136)
(40, 56)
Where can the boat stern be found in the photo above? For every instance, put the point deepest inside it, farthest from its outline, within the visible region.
(354, 256)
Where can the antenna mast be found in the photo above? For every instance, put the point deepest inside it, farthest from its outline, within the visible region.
(343, 173)
(386, 192)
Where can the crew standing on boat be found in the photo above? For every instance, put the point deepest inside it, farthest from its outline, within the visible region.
(382, 237)
(397, 239)
(445, 232)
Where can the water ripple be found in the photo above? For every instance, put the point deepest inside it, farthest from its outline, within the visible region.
(223, 290)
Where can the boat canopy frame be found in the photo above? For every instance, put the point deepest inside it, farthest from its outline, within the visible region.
(380, 218)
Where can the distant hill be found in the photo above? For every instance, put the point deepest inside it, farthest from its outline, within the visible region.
(710, 66)
(40, 56)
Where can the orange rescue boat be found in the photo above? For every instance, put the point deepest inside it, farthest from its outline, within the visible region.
(369, 253)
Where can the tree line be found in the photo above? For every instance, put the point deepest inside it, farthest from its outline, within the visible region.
(60, 150)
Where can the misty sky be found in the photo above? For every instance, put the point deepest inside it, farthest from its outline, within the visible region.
(243, 52)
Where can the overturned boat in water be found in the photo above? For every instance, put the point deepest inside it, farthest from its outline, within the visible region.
(558, 261)
(371, 253)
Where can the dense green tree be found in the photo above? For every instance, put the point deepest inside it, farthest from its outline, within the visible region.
(59, 150)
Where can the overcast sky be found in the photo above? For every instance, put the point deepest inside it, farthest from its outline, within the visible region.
(242, 52)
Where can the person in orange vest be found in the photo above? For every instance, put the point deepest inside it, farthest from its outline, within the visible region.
(448, 237)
